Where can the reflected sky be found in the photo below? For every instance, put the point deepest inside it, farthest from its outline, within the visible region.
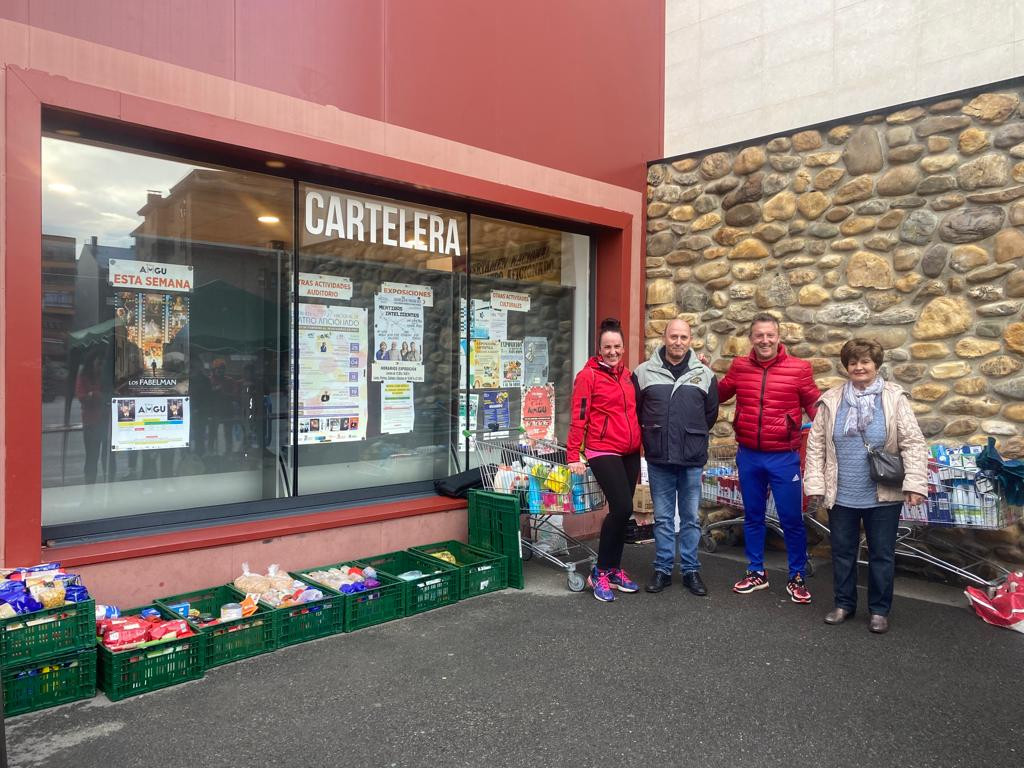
(90, 190)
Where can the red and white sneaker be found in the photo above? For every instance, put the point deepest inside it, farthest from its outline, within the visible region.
(752, 581)
(798, 591)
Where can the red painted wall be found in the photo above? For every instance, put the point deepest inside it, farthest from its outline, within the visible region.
(574, 84)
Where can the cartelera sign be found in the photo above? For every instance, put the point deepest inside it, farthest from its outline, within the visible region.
(339, 217)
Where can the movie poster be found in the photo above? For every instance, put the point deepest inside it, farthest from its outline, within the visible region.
(397, 338)
(538, 412)
(151, 312)
(332, 374)
(148, 423)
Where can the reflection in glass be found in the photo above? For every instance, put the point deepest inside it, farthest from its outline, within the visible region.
(398, 261)
(164, 320)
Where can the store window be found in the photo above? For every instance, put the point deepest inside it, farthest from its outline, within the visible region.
(383, 278)
(165, 333)
(528, 327)
(220, 343)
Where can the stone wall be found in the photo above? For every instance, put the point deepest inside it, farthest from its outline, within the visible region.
(905, 227)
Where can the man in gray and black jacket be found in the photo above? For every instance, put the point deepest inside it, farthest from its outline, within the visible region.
(677, 404)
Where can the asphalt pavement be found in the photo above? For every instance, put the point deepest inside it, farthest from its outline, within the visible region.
(544, 676)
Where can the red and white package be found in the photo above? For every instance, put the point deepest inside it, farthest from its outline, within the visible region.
(1003, 606)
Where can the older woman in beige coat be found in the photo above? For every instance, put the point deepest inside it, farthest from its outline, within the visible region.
(865, 409)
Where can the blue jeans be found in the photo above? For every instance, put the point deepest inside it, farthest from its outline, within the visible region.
(780, 471)
(669, 482)
(881, 525)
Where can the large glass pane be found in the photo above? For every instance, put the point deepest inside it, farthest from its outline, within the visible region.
(165, 331)
(377, 337)
(527, 313)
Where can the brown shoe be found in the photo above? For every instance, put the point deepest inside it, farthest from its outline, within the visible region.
(879, 624)
(837, 616)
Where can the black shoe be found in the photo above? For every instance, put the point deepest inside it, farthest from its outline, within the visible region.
(693, 582)
(658, 581)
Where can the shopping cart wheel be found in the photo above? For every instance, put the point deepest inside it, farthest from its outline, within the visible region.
(576, 581)
(710, 545)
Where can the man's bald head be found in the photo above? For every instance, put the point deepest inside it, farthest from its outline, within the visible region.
(677, 340)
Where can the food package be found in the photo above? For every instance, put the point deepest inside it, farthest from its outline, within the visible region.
(50, 593)
(445, 555)
(251, 582)
(280, 579)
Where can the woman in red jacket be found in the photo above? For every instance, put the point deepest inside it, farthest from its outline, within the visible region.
(604, 420)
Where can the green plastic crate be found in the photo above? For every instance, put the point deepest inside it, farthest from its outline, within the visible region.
(367, 608)
(140, 670)
(438, 587)
(308, 621)
(47, 633)
(230, 640)
(494, 524)
(49, 682)
(480, 570)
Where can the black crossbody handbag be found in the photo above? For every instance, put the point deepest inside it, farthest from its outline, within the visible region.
(884, 468)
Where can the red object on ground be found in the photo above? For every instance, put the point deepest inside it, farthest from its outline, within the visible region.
(1004, 606)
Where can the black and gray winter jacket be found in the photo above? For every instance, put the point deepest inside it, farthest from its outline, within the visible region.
(677, 406)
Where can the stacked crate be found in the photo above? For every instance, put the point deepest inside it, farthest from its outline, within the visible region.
(48, 657)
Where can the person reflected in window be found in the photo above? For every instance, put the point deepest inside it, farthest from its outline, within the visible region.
(89, 391)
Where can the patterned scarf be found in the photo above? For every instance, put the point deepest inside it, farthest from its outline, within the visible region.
(862, 406)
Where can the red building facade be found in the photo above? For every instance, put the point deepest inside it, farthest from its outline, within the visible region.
(537, 119)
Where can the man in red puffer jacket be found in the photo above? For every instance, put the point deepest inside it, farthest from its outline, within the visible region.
(771, 389)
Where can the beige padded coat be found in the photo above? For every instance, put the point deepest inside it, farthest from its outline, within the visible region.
(902, 435)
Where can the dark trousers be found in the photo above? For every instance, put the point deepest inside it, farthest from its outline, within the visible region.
(617, 476)
(881, 524)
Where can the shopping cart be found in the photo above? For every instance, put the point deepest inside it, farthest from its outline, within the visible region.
(962, 497)
(720, 487)
(536, 471)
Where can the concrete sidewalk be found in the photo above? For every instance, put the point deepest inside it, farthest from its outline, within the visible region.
(547, 677)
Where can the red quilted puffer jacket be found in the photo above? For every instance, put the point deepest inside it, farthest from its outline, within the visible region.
(769, 396)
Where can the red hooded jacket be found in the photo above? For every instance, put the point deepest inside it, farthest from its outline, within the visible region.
(769, 396)
(603, 411)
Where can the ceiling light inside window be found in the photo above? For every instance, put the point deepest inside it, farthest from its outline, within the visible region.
(68, 132)
(275, 164)
(268, 219)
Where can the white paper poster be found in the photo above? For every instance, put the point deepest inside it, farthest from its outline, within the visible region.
(512, 364)
(481, 328)
(498, 330)
(397, 414)
(397, 338)
(535, 361)
(147, 423)
(423, 292)
(471, 423)
(510, 301)
(324, 287)
(332, 373)
(150, 276)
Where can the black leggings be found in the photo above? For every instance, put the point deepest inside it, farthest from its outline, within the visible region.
(617, 476)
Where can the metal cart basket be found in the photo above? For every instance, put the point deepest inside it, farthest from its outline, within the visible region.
(959, 496)
(536, 471)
